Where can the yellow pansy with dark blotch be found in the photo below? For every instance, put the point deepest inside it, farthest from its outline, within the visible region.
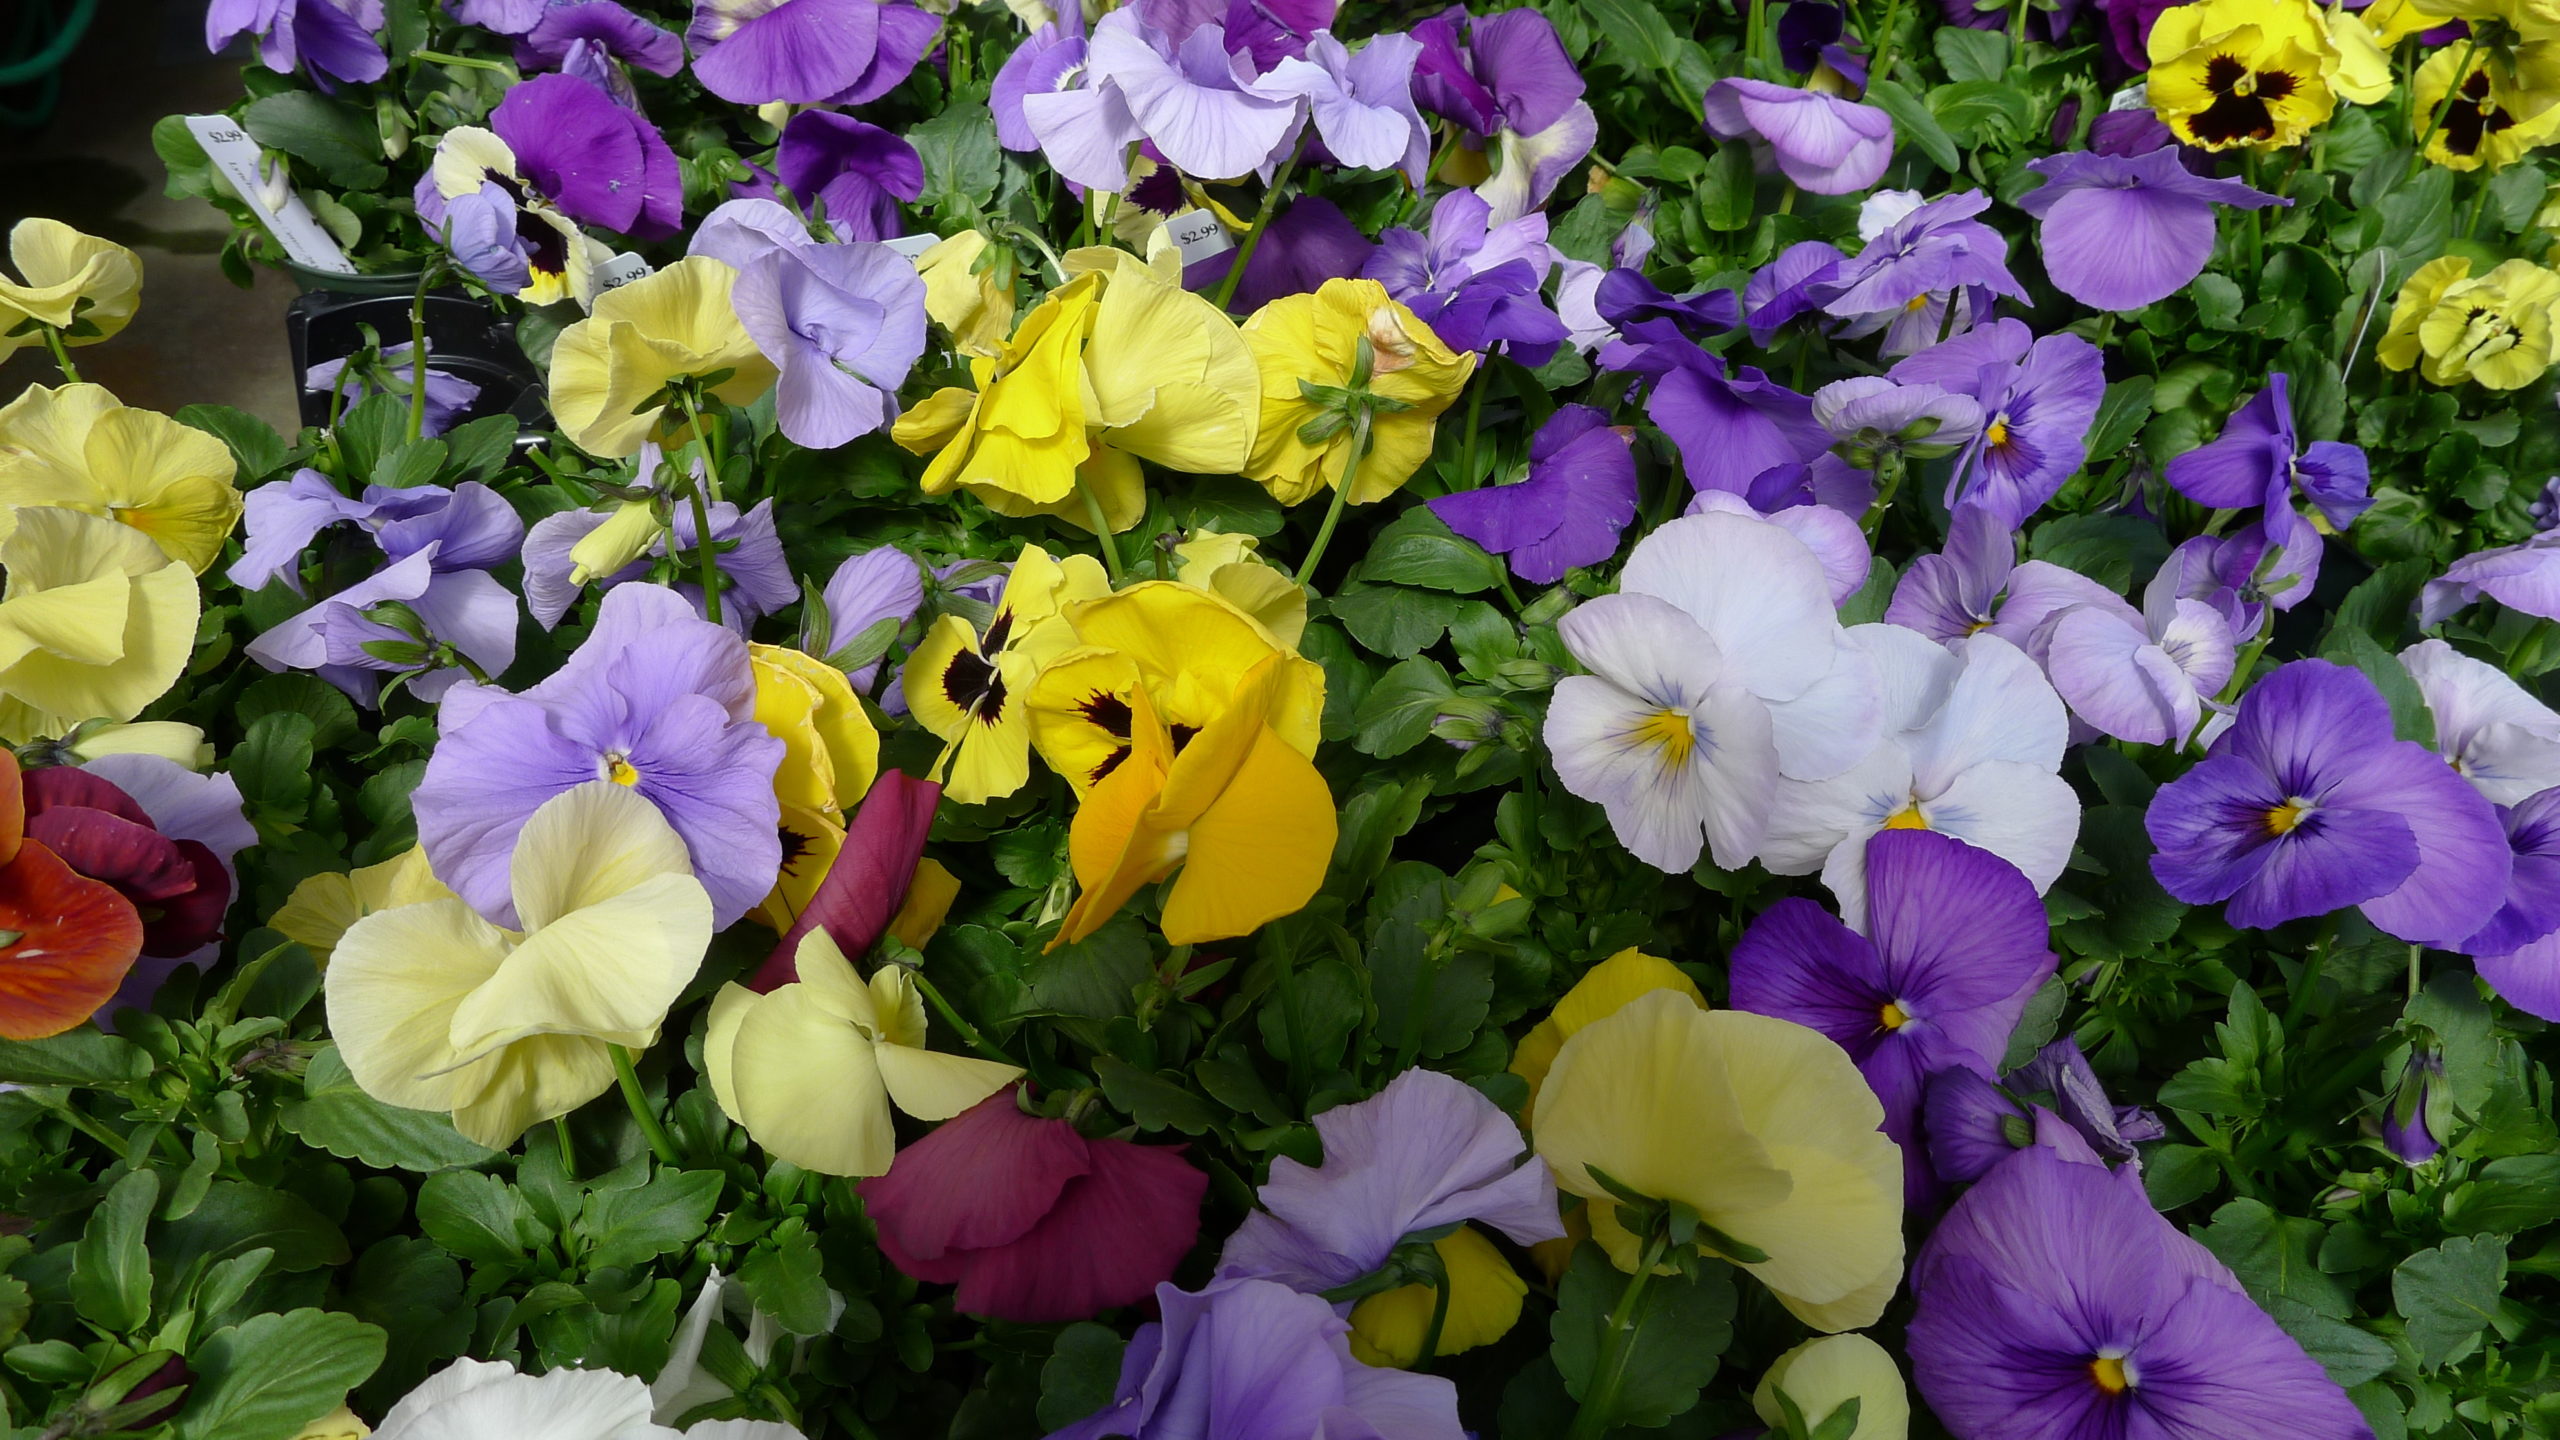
(2229, 73)
(968, 688)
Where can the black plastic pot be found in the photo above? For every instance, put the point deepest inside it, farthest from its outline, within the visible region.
(465, 338)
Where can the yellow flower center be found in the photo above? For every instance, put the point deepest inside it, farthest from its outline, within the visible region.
(2283, 819)
(1998, 433)
(1668, 731)
(619, 771)
(1976, 627)
(1907, 818)
(1916, 304)
(1893, 1015)
(2108, 1371)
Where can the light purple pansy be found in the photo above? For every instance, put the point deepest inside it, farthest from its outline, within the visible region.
(1823, 144)
(843, 323)
(466, 609)
(657, 699)
(1266, 32)
(1933, 257)
(2518, 950)
(756, 577)
(883, 584)
(2309, 804)
(1830, 531)
(1463, 241)
(1578, 498)
(1049, 59)
(1871, 415)
(2492, 731)
(475, 525)
(2119, 232)
(2139, 675)
(1188, 99)
(1505, 71)
(448, 395)
(807, 52)
(2039, 397)
(1789, 286)
(2257, 460)
(1361, 102)
(332, 37)
(2523, 577)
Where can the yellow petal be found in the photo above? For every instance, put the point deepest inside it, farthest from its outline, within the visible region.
(1172, 379)
(625, 536)
(323, 906)
(1260, 849)
(530, 1082)
(1602, 991)
(71, 276)
(931, 1085)
(587, 845)
(808, 1088)
(1819, 1375)
(929, 897)
(394, 982)
(674, 323)
(1485, 1295)
(608, 971)
(55, 689)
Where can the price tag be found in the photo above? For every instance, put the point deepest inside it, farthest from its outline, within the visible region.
(2136, 96)
(619, 271)
(274, 203)
(912, 246)
(1198, 235)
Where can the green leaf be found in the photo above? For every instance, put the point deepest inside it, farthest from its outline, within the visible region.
(2508, 1197)
(2134, 912)
(1913, 122)
(257, 451)
(2382, 603)
(272, 766)
(1980, 111)
(340, 143)
(1971, 54)
(1309, 1016)
(478, 1217)
(233, 1219)
(1418, 549)
(412, 1289)
(110, 1266)
(1081, 1375)
(479, 450)
(2218, 301)
(2120, 417)
(1428, 1005)
(82, 1057)
(787, 1282)
(1096, 977)
(2117, 551)
(669, 1213)
(332, 717)
(2448, 1294)
(1635, 35)
(267, 1378)
(1156, 1102)
(961, 160)
(2410, 718)
(1394, 620)
(1397, 712)
(337, 1116)
(1725, 193)
(1682, 1328)
(2417, 216)
(2274, 1255)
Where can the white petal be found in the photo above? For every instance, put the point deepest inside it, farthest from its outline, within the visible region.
(2024, 814)
(1809, 822)
(1835, 722)
(2000, 708)
(1752, 586)
(1643, 645)
(1651, 793)
(558, 1405)
(1913, 673)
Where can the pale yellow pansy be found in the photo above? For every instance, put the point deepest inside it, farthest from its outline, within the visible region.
(1169, 374)
(96, 622)
(318, 912)
(172, 740)
(968, 293)
(78, 447)
(67, 278)
(607, 369)
(1603, 991)
(812, 1069)
(1485, 1296)
(628, 531)
(434, 1008)
(1819, 1376)
(1315, 339)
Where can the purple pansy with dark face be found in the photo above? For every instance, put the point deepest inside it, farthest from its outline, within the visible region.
(2309, 804)
(807, 52)
(2119, 232)
(1954, 944)
(1580, 495)
(2038, 397)
(2518, 950)
(2055, 1303)
(605, 25)
(596, 161)
(1823, 144)
(332, 38)
(2258, 461)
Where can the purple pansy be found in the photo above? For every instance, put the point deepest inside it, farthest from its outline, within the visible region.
(478, 529)
(1823, 144)
(330, 36)
(1360, 102)
(756, 578)
(1185, 97)
(2039, 398)
(1505, 71)
(2523, 577)
(2128, 26)
(2055, 1302)
(1974, 1124)
(852, 173)
(2309, 804)
(1476, 282)
(657, 699)
(1730, 426)
(1048, 59)
(1580, 495)
(877, 585)
(606, 25)
(843, 324)
(1307, 243)
(2490, 729)
(596, 161)
(1789, 286)
(449, 396)
(1933, 257)
(1266, 32)
(1871, 415)
(2119, 232)
(1953, 945)
(1625, 296)
(2518, 950)
(442, 599)
(807, 52)
(2258, 461)
(2142, 676)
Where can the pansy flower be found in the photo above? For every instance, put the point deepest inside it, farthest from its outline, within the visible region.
(1361, 102)
(82, 288)
(605, 27)
(1303, 340)
(2039, 395)
(1579, 496)
(2501, 329)
(2142, 676)
(2523, 577)
(1975, 1123)
(2486, 124)
(1183, 95)
(96, 621)
(1824, 144)
(1933, 258)
(610, 372)
(970, 688)
(2490, 729)
(2258, 460)
(77, 447)
(807, 52)
(1506, 79)
(2119, 232)
(329, 36)
(69, 939)
(2228, 73)
(842, 324)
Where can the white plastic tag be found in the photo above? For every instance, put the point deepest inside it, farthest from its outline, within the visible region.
(912, 246)
(1198, 235)
(280, 210)
(619, 271)
(2136, 96)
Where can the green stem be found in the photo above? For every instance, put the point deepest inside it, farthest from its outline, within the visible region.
(2416, 952)
(661, 1143)
(1341, 493)
(418, 354)
(968, 1033)
(1617, 1347)
(469, 62)
(1755, 38)
(568, 1153)
(2256, 233)
(71, 1116)
(1439, 1320)
(61, 353)
(1101, 524)
(1884, 41)
(1467, 442)
(706, 555)
(2444, 106)
(1261, 223)
(1892, 466)
(2017, 31)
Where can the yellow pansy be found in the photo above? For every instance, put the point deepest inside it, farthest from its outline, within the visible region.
(1762, 1126)
(969, 292)
(1016, 441)
(1387, 1329)
(812, 1069)
(96, 622)
(811, 841)
(1170, 376)
(1188, 649)
(830, 749)
(2226, 73)
(2498, 329)
(2389, 22)
(1230, 567)
(434, 1008)
(1603, 990)
(1315, 339)
(1237, 817)
(2487, 126)
(1819, 1376)
(969, 689)
(70, 281)
(172, 740)
(608, 370)
(78, 447)
(2363, 74)
(322, 907)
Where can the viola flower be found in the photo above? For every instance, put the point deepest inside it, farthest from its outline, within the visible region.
(2518, 950)
(2488, 125)
(1973, 738)
(2227, 73)
(842, 324)
(2120, 232)
(1315, 340)
(326, 35)
(1789, 286)
(1625, 297)
(474, 204)
(73, 281)
(2307, 804)
(1047, 98)
(96, 622)
(2489, 728)
(1505, 78)
(1821, 1376)
(1730, 425)
(434, 1008)
(970, 689)
(1577, 499)
(1931, 258)
(607, 369)
(1871, 416)
(657, 700)
(2257, 460)
(1974, 1124)
(390, 372)
(1953, 945)
(570, 550)
(2039, 397)
(2055, 1301)
(2142, 676)
(969, 292)
(71, 939)
(1254, 1360)
(1760, 1125)
(1823, 144)
(2501, 329)
(1035, 1222)
(806, 52)
(1957, 592)
(1470, 269)
(78, 448)
(2523, 577)
(811, 1068)
(1361, 104)
(471, 1398)
(1184, 96)
(830, 750)
(599, 163)
(849, 174)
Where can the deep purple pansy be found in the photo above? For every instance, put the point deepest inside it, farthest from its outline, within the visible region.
(1580, 495)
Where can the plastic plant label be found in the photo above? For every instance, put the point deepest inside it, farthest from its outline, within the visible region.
(272, 201)
(619, 271)
(2136, 96)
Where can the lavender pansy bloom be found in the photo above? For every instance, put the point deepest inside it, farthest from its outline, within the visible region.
(1580, 495)
(1080, 122)
(1789, 286)
(1729, 426)
(2489, 728)
(1933, 257)
(2516, 949)
(1048, 59)
(1362, 104)
(448, 396)
(1429, 1150)
(1506, 71)
(598, 162)
(326, 35)
(1823, 144)
(1830, 531)
(1187, 98)
(1869, 416)
(1256, 1360)
(1956, 592)
(656, 699)
(478, 529)
(1497, 309)
(466, 609)
(844, 324)
(606, 25)
(2524, 577)
(2309, 804)
(2257, 460)
(2141, 676)
(2039, 398)
(1266, 32)
(806, 52)
(2054, 1302)
(1464, 241)
(1974, 1124)
(758, 577)
(1625, 297)
(503, 17)
(1952, 947)
(851, 173)
(2119, 232)
(741, 230)
(868, 589)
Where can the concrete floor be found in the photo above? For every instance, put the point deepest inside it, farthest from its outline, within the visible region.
(197, 337)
